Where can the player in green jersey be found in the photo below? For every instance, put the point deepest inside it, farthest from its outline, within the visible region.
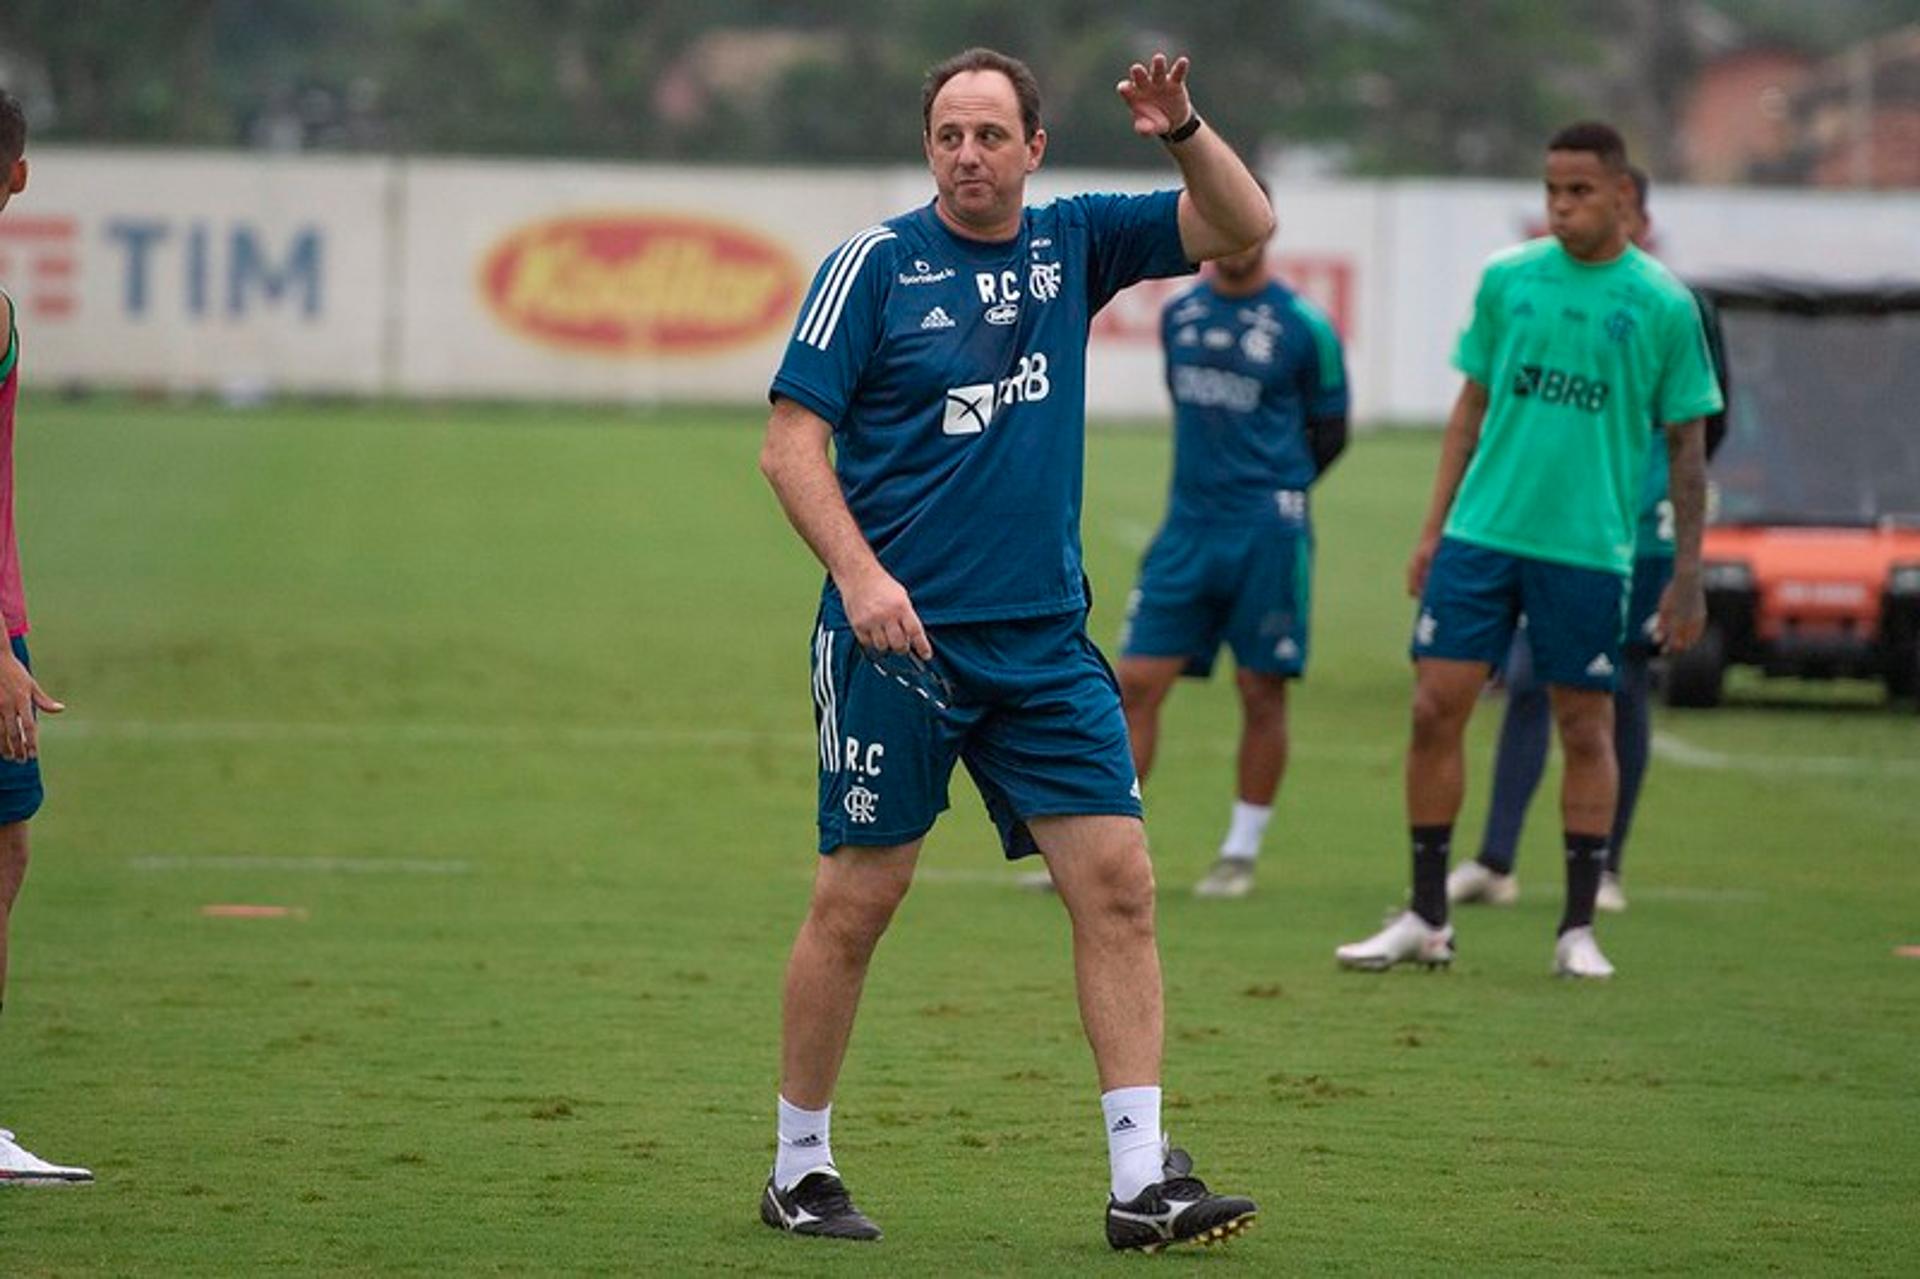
(1577, 341)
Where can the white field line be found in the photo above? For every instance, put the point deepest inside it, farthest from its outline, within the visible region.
(1667, 746)
(516, 736)
(520, 736)
(309, 865)
(1686, 755)
(1681, 893)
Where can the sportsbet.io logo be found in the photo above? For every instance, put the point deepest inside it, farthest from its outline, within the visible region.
(625, 284)
(1557, 386)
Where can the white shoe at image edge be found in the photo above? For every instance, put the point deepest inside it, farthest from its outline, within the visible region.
(21, 1167)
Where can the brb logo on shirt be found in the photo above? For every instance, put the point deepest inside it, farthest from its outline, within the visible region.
(970, 408)
(1557, 386)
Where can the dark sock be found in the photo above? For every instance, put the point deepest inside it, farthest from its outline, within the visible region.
(1586, 858)
(1432, 845)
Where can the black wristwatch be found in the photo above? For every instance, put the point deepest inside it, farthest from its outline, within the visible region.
(1185, 131)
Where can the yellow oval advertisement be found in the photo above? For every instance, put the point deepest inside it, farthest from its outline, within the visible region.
(639, 284)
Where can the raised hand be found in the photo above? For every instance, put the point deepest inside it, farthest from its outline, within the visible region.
(1157, 95)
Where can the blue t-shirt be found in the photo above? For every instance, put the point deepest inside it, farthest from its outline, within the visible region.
(1247, 374)
(953, 372)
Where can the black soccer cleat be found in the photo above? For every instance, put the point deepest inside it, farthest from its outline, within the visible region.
(1175, 1210)
(818, 1205)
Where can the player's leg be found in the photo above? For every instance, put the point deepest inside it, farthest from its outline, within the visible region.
(1267, 625)
(1465, 625)
(1105, 879)
(855, 893)
(1632, 747)
(1633, 714)
(1518, 763)
(885, 752)
(1144, 685)
(19, 800)
(1100, 865)
(1172, 628)
(1577, 619)
(13, 872)
(1589, 791)
(1054, 768)
(1444, 696)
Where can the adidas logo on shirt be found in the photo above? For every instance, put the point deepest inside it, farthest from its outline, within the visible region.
(1600, 666)
(937, 319)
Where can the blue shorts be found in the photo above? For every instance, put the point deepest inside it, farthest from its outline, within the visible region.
(1029, 705)
(20, 790)
(1576, 617)
(1248, 585)
(1651, 573)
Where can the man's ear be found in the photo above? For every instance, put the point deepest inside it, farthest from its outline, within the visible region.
(17, 177)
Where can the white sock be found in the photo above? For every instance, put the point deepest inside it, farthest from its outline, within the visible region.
(1248, 829)
(1134, 1150)
(803, 1144)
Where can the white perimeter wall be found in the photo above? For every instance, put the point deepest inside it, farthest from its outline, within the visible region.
(203, 271)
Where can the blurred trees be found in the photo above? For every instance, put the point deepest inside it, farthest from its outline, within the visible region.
(1365, 86)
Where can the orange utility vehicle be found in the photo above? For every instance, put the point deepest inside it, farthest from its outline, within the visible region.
(1812, 555)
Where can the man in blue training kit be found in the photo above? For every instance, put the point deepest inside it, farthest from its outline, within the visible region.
(942, 356)
(1260, 411)
(1521, 757)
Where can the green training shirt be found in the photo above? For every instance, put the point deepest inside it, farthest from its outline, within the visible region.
(1577, 359)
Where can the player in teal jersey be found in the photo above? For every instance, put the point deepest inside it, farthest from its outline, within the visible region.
(926, 441)
(21, 697)
(1577, 342)
(1520, 759)
(1259, 390)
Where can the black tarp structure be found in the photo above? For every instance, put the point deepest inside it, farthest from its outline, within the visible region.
(1823, 414)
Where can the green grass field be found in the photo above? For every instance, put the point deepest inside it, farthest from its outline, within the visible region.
(512, 707)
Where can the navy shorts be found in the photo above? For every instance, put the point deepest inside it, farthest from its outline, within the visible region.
(1247, 585)
(1651, 573)
(20, 790)
(1030, 706)
(1576, 617)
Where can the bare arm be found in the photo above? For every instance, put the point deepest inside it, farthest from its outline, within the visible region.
(1456, 450)
(1683, 605)
(1222, 210)
(20, 694)
(794, 460)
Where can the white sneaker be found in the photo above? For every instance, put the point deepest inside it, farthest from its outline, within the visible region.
(1407, 939)
(1230, 877)
(1474, 881)
(1577, 954)
(1612, 898)
(20, 1167)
